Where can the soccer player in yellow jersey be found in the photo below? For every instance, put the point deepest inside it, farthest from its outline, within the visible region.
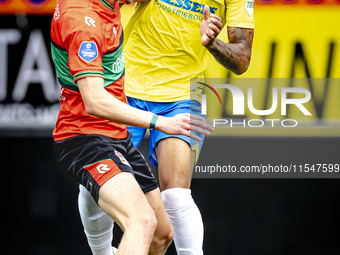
(168, 42)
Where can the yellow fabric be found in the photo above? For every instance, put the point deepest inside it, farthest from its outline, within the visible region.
(196, 149)
(163, 48)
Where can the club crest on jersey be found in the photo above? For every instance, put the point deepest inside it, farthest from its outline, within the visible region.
(88, 51)
(250, 7)
(122, 159)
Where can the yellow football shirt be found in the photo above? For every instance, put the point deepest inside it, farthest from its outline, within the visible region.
(163, 47)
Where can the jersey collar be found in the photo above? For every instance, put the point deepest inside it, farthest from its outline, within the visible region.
(109, 4)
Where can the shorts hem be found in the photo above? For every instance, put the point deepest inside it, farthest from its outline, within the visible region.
(150, 188)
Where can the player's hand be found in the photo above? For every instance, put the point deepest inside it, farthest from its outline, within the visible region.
(182, 124)
(210, 27)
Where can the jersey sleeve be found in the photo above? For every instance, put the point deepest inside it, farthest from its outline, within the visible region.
(239, 13)
(84, 47)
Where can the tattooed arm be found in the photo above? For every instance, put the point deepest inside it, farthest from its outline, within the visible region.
(234, 55)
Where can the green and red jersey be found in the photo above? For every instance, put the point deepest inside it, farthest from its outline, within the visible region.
(87, 41)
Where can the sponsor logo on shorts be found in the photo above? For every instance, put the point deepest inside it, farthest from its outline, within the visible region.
(102, 168)
(122, 159)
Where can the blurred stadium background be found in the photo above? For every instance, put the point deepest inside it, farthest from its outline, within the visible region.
(293, 39)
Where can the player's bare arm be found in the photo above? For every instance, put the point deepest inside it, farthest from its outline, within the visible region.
(234, 55)
(100, 103)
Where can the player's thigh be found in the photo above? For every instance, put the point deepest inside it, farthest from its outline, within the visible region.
(123, 200)
(175, 158)
(170, 110)
(164, 228)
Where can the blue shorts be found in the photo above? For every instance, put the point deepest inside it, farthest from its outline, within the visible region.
(167, 110)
